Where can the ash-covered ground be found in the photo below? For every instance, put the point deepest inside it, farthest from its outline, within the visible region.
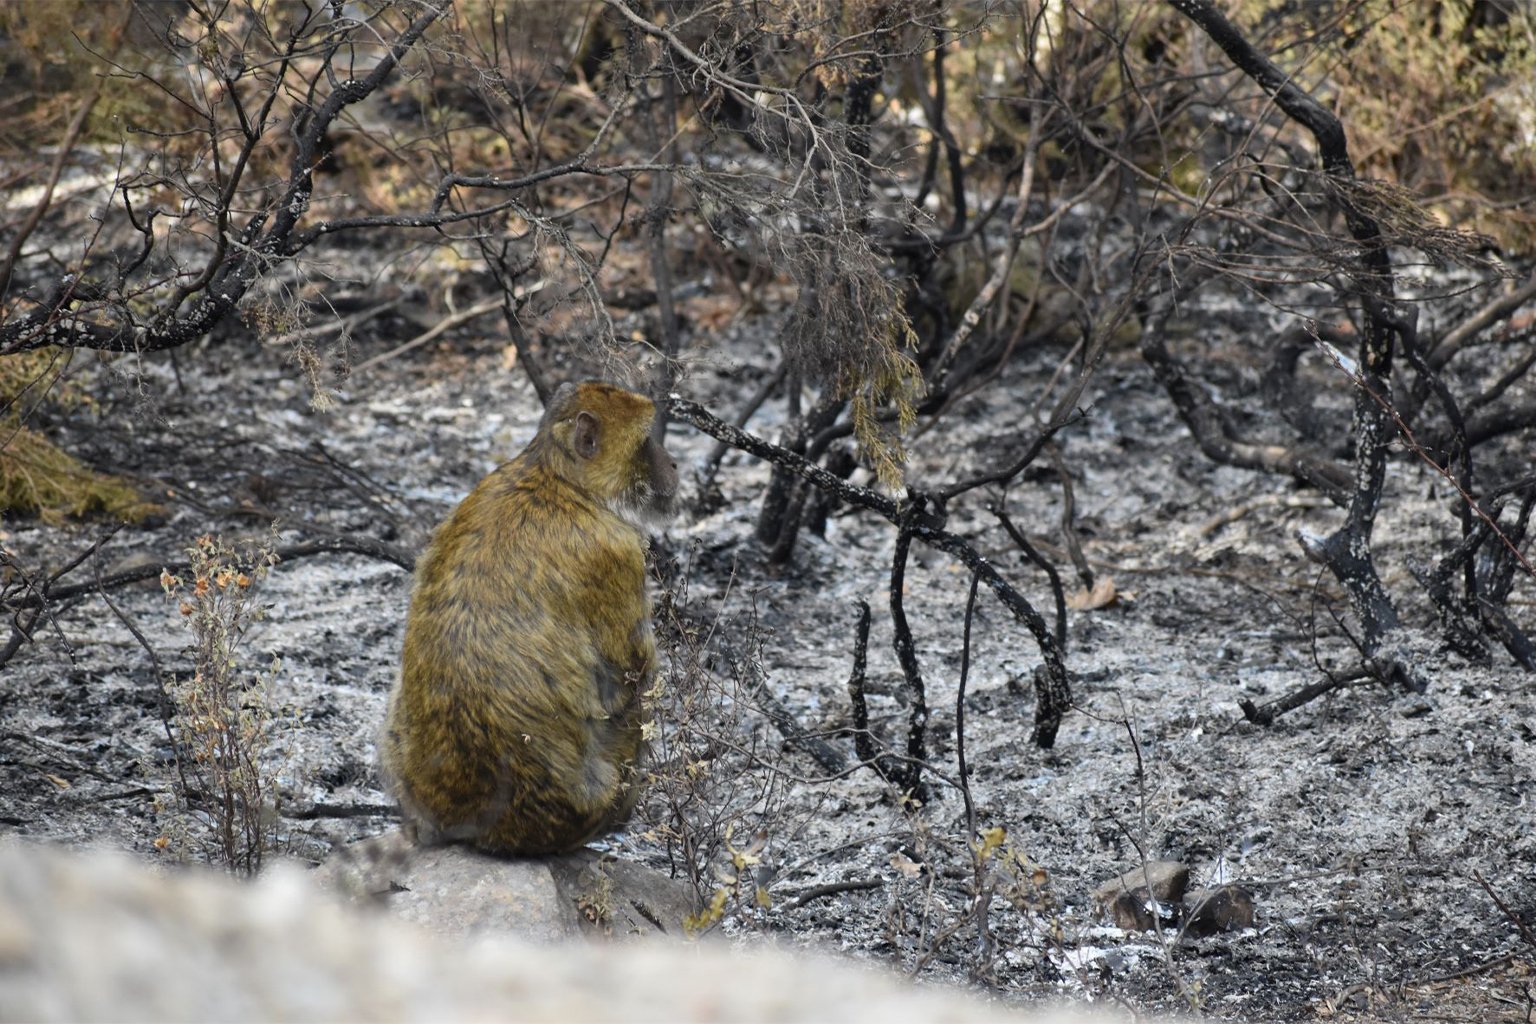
(1374, 828)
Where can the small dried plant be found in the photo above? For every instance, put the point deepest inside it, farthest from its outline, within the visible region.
(222, 722)
(715, 797)
(738, 882)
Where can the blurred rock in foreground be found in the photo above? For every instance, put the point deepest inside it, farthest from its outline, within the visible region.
(91, 937)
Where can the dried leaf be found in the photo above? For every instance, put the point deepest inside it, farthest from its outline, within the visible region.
(1102, 595)
(991, 840)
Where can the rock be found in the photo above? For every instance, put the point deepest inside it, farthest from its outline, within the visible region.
(1135, 911)
(460, 893)
(99, 937)
(456, 892)
(1131, 902)
(1167, 880)
(1145, 896)
(1228, 908)
(619, 898)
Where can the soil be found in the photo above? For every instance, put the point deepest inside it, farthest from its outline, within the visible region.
(1388, 838)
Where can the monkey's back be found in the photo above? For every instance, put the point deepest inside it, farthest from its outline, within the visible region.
(516, 721)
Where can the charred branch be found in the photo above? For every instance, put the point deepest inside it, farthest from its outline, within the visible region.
(795, 734)
(1029, 551)
(1209, 424)
(909, 778)
(711, 467)
(1265, 714)
(43, 594)
(863, 740)
(241, 257)
(1052, 682)
(1347, 552)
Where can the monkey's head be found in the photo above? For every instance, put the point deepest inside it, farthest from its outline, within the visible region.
(605, 440)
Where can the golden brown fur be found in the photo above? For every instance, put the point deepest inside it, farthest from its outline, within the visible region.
(516, 723)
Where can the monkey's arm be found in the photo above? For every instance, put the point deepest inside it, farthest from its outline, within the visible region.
(612, 601)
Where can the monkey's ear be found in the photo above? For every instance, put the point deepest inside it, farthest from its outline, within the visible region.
(584, 434)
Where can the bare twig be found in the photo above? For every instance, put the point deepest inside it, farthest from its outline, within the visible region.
(1267, 713)
(47, 594)
(1515, 919)
(447, 323)
(66, 147)
(1053, 690)
(342, 326)
(163, 702)
(963, 771)
(711, 466)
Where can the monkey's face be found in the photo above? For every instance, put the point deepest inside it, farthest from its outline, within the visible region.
(604, 440)
(652, 501)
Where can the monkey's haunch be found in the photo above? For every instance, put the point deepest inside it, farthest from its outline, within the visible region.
(516, 723)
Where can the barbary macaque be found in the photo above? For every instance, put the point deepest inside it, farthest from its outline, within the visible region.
(516, 722)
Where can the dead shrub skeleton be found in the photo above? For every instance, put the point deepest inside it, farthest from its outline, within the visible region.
(768, 147)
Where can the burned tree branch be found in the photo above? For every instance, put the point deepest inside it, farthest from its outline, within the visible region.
(1266, 714)
(1209, 423)
(1346, 552)
(41, 596)
(240, 257)
(1053, 689)
(910, 776)
(1041, 562)
(863, 742)
(795, 734)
